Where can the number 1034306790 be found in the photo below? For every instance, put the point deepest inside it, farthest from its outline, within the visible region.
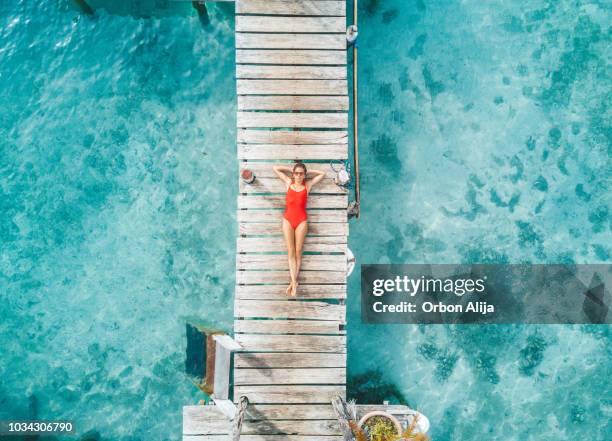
(36, 427)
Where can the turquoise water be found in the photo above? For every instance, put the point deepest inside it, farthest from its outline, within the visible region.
(486, 137)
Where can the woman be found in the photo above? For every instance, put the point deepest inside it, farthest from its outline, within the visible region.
(295, 220)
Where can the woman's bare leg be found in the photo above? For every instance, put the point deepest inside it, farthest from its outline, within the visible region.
(300, 237)
(289, 235)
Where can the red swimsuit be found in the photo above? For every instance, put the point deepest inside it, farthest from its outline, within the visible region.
(295, 206)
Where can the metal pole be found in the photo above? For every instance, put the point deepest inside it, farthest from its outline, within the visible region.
(356, 116)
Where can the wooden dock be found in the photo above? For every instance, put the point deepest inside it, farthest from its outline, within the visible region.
(291, 83)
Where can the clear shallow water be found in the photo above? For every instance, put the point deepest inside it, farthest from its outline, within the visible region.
(115, 167)
(486, 137)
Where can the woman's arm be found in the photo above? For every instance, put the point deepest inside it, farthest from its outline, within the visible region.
(319, 175)
(280, 172)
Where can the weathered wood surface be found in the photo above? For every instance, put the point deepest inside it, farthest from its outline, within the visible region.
(295, 152)
(321, 262)
(290, 376)
(291, 83)
(277, 292)
(290, 137)
(288, 327)
(263, 438)
(292, 120)
(312, 244)
(264, 169)
(291, 72)
(292, 343)
(294, 412)
(294, 309)
(290, 56)
(251, 40)
(268, 277)
(314, 229)
(290, 360)
(277, 427)
(275, 185)
(290, 394)
(204, 420)
(277, 422)
(291, 102)
(291, 87)
(314, 216)
(278, 201)
(250, 23)
(291, 7)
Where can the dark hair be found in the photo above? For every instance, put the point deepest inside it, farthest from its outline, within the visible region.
(299, 164)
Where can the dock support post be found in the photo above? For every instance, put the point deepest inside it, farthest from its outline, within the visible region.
(200, 6)
(85, 8)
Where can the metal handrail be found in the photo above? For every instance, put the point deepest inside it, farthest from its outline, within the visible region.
(356, 117)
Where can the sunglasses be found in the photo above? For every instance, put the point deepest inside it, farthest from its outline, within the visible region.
(299, 173)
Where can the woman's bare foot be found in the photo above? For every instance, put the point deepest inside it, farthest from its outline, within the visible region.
(294, 289)
(289, 288)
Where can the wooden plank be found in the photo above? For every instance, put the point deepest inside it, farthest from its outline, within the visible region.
(393, 409)
(250, 23)
(311, 427)
(313, 244)
(274, 229)
(291, 102)
(275, 185)
(291, 72)
(290, 394)
(251, 40)
(288, 327)
(288, 56)
(264, 169)
(282, 277)
(227, 407)
(310, 262)
(290, 376)
(277, 215)
(207, 437)
(289, 360)
(295, 152)
(288, 309)
(278, 201)
(263, 438)
(309, 120)
(292, 343)
(277, 292)
(291, 87)
(226, 341)
(204, 420)
(222, 372)
(292, 137)
(291, 7)
(291, 412)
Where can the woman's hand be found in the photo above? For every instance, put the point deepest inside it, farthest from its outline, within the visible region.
(280, 172)
(318, 177)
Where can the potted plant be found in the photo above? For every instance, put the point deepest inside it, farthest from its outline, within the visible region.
(382, 426)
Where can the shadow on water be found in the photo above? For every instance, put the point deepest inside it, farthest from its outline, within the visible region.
(195, 357)
(155, 8)
(369, 388)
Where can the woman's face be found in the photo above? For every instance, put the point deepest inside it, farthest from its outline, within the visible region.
(299, 175)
